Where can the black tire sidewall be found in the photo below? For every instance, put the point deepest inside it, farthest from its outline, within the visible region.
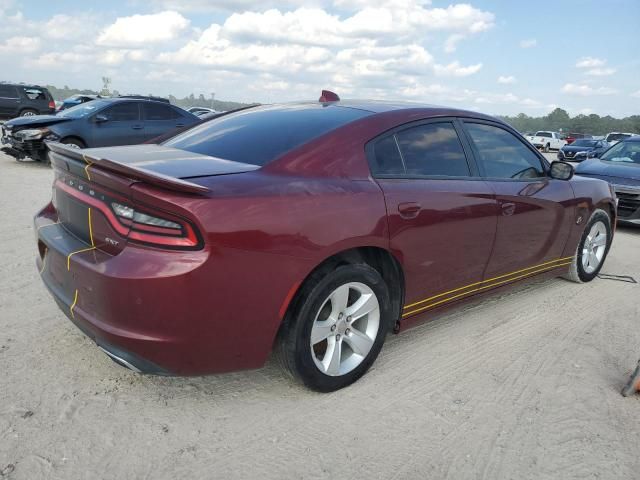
(73, 141)
(598, 216)
(305, 315)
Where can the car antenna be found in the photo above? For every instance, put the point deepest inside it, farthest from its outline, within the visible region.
(328, 96)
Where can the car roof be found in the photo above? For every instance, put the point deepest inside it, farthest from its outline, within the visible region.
(24, 85)
(633, 138)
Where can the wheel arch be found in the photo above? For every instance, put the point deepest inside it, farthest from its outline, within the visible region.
(74, 137)
(382, 260)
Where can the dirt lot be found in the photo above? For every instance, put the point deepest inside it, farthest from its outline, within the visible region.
(522, 386)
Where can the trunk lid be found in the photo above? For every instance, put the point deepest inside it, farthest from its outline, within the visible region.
(93, 191)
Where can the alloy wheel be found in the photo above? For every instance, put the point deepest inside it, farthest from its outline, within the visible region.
(595, 245)
(345, 329)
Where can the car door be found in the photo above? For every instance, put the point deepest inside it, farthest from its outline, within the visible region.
(535, 211)
(118, 124)
(9, 101)
(441, 215)
(159, 119)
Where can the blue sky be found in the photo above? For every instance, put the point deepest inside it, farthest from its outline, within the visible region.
(501, 57)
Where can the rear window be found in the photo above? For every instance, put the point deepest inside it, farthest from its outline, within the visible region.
(35, 93)
(262, 134)
(544, 134)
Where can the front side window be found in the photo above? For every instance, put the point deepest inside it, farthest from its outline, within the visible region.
(122, 112)
(432, 149)
(7, 91)
(502, 154)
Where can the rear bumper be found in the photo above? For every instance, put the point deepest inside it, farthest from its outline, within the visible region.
(168, 312)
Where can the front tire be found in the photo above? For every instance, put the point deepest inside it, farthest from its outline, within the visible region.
(73, 142)
(336, 327)
(546, 148)
(28, 112)
(592, 248)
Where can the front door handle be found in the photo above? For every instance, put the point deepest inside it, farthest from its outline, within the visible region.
(409, 209)
(508, 208)
(137, 127)
(179, 125)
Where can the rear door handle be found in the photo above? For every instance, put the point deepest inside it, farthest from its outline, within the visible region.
(409, 209)
(179, 125)
(137, 127)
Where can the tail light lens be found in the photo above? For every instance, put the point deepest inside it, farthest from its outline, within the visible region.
(155, 230)
(52, 104)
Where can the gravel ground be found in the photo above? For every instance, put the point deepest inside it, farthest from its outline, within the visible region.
(524, 385)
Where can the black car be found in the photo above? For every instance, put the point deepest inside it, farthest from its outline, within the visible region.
(102, 122)
(620, 166)
(582, 149)
(21, 100)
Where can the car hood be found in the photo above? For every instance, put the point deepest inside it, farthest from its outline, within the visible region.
(571, 148)
(36, 121)
(600, 168)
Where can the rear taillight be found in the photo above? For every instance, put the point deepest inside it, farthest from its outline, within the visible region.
(152, 229)
(136, 224)
(52, 104)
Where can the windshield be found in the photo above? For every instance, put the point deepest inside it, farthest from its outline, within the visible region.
(623, 152)
(614, 137)
(83, 109)
(261, 134)
(584, 143)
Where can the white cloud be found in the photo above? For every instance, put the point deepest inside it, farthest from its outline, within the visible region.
(600, 72)
(636, 94)
(590, 62)
(586, 90)
(506, 80)
(454, 69)
(528, 43)
(451, 44)
(143, 29)
(17, 45)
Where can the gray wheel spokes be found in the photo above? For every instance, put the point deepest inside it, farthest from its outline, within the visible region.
(594, 247)
(359, 342)
(337, 325)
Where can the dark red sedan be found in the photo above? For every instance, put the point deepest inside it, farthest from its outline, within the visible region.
(311, 228)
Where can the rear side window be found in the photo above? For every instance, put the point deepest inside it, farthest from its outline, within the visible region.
(156, 111)
(502, 154)
(432, 149)
(7, 91)
(122, 112)
(262, 134)
(34, 93)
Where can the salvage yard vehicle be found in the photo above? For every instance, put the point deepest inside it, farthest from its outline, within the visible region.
(74, 100)
(125, 120)
(581, 149)
(614, 137)
(547, 140)
(620, 166)
(22, 100)
(314, 227)
(572, 137)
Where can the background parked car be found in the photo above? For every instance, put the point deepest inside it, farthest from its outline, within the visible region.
(201, 110)
(74, 100)
(620, 166)
(615, 137)
(582, 149)
(99, 123)
(572, 137)
(21, 100)
(547, 140)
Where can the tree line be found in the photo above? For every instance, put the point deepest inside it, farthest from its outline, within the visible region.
(559, 120)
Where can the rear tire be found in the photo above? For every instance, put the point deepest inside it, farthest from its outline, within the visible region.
(546, 148)
(28, 112)
(592, 249)
(336, 327)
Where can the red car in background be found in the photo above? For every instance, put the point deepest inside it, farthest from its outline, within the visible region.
(314, 228)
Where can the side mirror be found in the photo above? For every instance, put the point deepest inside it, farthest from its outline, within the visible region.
(561, 171)
(100, 119)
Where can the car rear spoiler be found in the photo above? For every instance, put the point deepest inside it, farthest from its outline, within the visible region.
(141, 174)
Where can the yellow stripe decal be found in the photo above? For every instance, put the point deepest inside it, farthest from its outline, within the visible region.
(88, 164)
(540, 270)
(73, 253)
(91, 229)
(73, 305)
(486, 281)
